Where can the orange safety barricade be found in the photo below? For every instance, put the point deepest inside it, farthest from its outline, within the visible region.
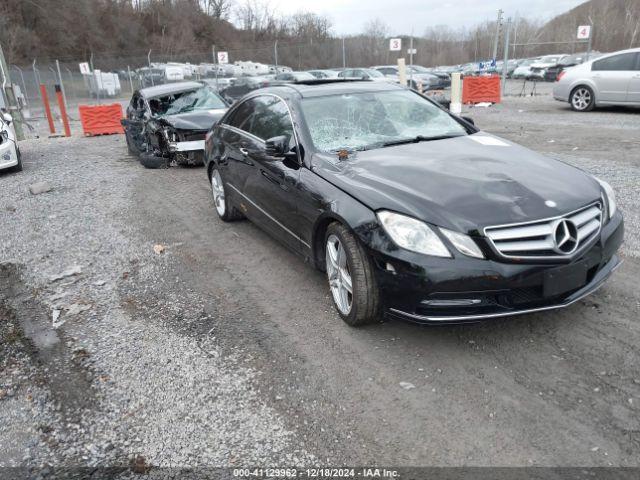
(481, 89)
(101, 119)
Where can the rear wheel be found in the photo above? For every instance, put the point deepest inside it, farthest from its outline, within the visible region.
(582, 99)
(351, 277)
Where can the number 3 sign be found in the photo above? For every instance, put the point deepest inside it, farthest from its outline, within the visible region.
(395, 44)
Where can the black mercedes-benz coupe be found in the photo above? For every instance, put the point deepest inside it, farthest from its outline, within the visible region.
(411, 211)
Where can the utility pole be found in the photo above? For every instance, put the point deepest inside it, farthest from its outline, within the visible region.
(275, 52)
(506, 55)
(344, 56)
(411, 59)
(497, 38)
(215, 62)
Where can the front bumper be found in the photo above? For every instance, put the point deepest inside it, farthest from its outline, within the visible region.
(8, 154)
(466, 290)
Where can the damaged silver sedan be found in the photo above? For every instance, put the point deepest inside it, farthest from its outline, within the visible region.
(166, 125)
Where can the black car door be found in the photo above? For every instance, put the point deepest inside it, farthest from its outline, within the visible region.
(235, 164)
(271, 186)
(134, 123)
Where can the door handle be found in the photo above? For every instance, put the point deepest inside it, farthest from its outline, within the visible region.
(244, 151)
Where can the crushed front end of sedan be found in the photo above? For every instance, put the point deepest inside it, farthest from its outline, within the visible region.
(166, 125)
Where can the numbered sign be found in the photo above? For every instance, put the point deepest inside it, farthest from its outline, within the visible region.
(84, 68)
(395, 44)
(223, 57)
(584, 32)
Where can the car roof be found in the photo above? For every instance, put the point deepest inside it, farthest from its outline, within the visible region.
(168, 88)
(340, 87)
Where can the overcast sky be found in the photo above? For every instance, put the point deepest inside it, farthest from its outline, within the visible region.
(349, 16)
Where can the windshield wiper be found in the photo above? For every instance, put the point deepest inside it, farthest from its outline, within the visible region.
(417, 139)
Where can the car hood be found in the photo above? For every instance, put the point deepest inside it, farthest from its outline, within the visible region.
(198, 120)
(463, 183)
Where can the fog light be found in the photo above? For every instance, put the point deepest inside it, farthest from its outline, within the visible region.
(6, 156)
(453, 302)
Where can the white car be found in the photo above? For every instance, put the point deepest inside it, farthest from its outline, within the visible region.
(539, 67)
(612, 79)
(9, 151)
(523, 70)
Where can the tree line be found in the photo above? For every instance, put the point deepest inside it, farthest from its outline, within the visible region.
(117, 31)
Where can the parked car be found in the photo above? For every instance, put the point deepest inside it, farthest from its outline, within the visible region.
(322, 74)
(409, 209)
(365, 74)
(551, 74)
(294, 76)
(166, 125)
(10, 157)
(538, 69)
(243, 85)
(613, 79)
(415, 77)
(523, 70)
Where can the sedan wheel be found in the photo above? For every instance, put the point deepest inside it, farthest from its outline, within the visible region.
(217, 190)
(339, 276)
(582, 99)
(352, 280)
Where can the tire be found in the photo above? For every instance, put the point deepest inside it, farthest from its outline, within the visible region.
(356, 267)
(221, 201)
(582, 99)
(18, 167)
(149, 160)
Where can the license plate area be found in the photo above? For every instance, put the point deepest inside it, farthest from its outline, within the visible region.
(564, 279)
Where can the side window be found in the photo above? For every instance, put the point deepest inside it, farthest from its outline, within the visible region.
(622, 62)
(241, 117)
(271, 118)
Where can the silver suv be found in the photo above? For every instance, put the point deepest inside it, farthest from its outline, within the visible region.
(612, 79)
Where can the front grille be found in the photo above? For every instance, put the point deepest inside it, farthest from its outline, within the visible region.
(541, 239)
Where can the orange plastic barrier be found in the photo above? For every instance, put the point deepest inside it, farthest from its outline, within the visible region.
(101, 119)
(481, 89)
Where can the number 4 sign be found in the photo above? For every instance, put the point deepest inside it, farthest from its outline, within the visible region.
(395, 44)
(584, 32)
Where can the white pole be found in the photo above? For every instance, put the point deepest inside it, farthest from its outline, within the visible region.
(456, 94)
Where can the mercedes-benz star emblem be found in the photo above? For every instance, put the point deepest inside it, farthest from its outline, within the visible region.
(565, 236)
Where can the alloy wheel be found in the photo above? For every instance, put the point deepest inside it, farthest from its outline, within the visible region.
(581, 99)
(339, 275)
(217, 189)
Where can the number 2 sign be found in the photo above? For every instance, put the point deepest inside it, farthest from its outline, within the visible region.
(395, 44)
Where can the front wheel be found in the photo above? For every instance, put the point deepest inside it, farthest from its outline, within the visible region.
(582, 99)
(226, 211)
(352, 282)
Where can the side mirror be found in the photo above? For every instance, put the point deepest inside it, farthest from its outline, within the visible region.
(277, 146)
(468, 120)
(7, 118)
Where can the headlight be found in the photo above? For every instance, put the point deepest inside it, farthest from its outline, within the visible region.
(463, 243)
(412, 234)
(611, 197)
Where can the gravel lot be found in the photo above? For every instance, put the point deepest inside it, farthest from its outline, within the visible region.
(221, 348)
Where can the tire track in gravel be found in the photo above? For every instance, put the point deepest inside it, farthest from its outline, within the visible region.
(510, 392)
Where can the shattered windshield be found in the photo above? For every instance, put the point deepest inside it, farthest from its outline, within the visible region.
(362, 121)
(203, 98)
